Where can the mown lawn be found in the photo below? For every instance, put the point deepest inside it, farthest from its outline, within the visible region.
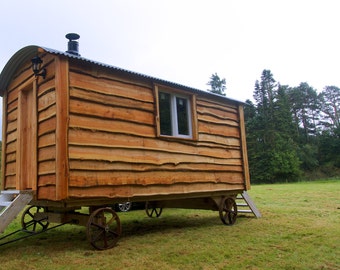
(300, 229)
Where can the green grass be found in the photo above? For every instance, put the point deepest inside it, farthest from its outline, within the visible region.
(300, 229)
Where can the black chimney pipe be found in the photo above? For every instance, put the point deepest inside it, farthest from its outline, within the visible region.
(73, 45)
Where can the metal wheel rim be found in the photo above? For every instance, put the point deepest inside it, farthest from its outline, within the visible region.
(228, 211)
(103, 228)
(30, 224)
(153, 211)
(124, 207)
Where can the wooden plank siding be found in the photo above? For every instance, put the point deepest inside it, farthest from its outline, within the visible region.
(114, 150)
(97, 136)
(46, 133)
(45, 129)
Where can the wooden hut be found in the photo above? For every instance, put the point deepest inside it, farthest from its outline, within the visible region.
(82, 133)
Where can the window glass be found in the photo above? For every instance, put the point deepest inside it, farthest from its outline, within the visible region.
(165, 113)
(182, 116)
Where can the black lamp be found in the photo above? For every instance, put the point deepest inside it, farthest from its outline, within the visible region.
(36, 65)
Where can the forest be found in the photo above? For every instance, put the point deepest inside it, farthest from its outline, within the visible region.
(293, 133)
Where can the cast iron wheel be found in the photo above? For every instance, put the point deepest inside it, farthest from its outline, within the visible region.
(152, 211)
(125, 207)
(34, 220)
(103, 228)
(228, 211)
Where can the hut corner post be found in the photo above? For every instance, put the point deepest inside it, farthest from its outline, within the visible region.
(244, 148)
(4, 108)
(62, 101)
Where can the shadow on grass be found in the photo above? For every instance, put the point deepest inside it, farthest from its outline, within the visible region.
(134, 224)
(173, 222)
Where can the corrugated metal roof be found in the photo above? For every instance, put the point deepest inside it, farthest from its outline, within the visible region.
(30, 51)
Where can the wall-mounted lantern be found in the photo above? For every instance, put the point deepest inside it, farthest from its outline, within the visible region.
(36, 66)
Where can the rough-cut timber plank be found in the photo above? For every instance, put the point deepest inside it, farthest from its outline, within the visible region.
(111, 86)
(47, 153)
(46, 87)
(10, 168)
(47, 167)
(11, 106)
(111, 99)
(110, 112)
(46, 100)
(12, 136)
(46, 140)
(62, 100)
(216, 113)
(11, 126)
(117, 126)
(47, 113)
(216, 139)
(214, 104)
(47, 126)
(12, 116)
(95, 165)
(222, 130)
(93, 179)
(180, 190)
(10, 147)
(104, 139)
(216, 120)
(46, 193)
(150, 157)
(47, 180)
(10, 182)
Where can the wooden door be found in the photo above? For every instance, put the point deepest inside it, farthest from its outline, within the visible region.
(27, 138)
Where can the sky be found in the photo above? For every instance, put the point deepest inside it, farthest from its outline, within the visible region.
(186, 41)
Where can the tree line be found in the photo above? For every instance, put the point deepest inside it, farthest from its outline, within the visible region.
(292, 132)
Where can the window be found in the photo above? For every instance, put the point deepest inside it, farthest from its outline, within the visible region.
(174, 115)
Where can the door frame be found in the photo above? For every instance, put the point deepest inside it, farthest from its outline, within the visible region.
(26, 154)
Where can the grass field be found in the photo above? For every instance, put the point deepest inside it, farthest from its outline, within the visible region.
(300, 229)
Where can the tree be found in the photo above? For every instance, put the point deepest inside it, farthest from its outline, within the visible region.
(269, 125)
(305, 107)
(217, 85)
(330, 107)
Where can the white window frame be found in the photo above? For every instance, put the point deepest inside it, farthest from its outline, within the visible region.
(174, 117)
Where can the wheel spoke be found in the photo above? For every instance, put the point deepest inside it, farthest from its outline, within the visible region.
(103, 228)
(28, 219)
(228, 211)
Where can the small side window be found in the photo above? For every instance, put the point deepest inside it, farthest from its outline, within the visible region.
(174, 115)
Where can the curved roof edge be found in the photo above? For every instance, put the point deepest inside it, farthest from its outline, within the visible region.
(30, 51)
(14, 62)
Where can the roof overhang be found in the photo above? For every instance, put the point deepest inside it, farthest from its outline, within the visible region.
(21, 56)
(12, 65)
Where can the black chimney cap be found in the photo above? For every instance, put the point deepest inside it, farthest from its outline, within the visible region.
(73, 45)
(72, 36)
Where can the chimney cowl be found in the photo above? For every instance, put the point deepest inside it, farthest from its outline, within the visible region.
(73, 45)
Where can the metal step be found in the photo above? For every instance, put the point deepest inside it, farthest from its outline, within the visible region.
(247, 202)
(244, 211)
(12, 202)
(5, 204)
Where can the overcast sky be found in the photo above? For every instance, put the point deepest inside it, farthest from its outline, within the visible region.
(185, 41)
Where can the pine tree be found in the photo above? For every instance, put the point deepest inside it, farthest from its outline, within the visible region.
(271, 148)
(330, 107)
(217, 85)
